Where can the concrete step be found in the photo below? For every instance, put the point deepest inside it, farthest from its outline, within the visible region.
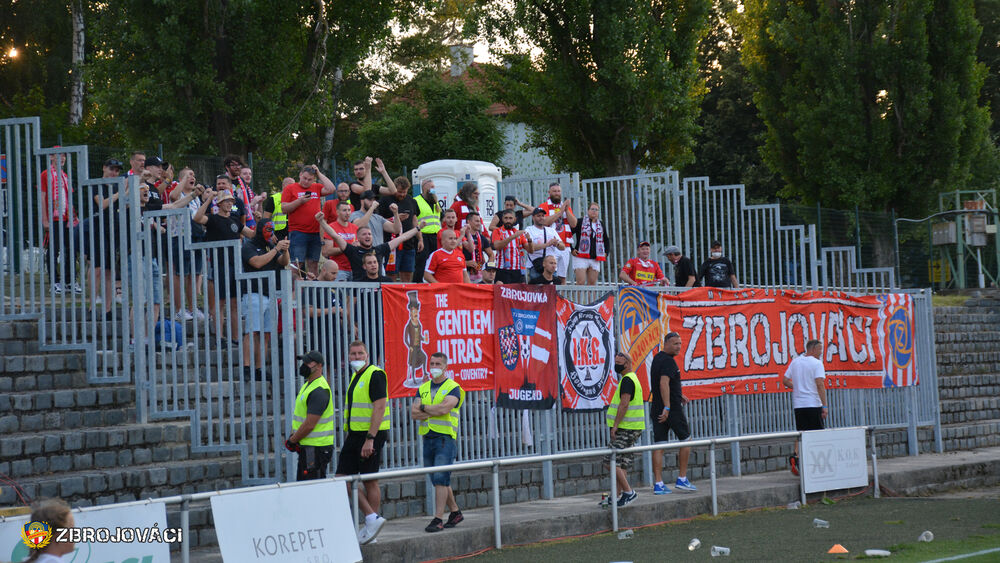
(66, 408)
(946, 339)
(965, 317)
(14, 381)
(133, 482)
(970, 410)
(970, 436)
(47, 362)
(968, 386)
(990, 356)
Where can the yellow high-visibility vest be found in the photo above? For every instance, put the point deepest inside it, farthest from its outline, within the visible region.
(432, 215)
(279, 219)
(446, 423)
(359, 403)
(635, 417)
(322, 434)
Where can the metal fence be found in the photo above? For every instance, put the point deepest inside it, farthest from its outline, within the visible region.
(125, 288)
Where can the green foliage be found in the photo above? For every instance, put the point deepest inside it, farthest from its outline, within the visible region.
(988, 53)
(867, 103)
(614, 85)
(730, 130)
(434, 119)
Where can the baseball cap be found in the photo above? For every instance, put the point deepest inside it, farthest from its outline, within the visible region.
(643, 243)
(114, 163)
(538, 211)
(314, 356)
(368, 195)
(672, 249)
(156, 161)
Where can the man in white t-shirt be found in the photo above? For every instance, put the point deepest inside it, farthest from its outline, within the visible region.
(805, 376)
(546, 242)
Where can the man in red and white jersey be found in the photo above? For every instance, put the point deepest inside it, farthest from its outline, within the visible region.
(58, 219)
(559, 215)
(466, 201)
(447, 264)
(508, 242)
(641, 270)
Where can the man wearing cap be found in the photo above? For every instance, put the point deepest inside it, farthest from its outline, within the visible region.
(718, 271)
(312, 420)
(641, 270)
(367, 216)
(300, 201)
(366, 420)
(436, 411)
(544, 240)
(684, 273)
(152, 175)
(241, 190)
(489, 273)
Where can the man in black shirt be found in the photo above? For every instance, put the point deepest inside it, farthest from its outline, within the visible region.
(406, 255)
(372, 269)
(262, 253)
(367, 426)
(355, 253)
(718, 271)
(667, 411)
(548, 277)
(684, 272)
(312, 423)
(511, 203)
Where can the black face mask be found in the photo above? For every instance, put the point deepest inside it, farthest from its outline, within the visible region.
(619, 368)
(305, 370)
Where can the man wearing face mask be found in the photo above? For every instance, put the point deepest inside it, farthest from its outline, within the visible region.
(436, 409)
(666, 408)
(366, 419)
(312, 420)
(718, 271)
(429, 223)
(627, 419)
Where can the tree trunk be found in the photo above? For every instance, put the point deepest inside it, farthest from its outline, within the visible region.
(327, 152)
(76, 78)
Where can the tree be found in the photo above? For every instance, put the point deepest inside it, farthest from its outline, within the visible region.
(436, 119)
(867, 103)
(727, 146)
(615, 83)
(988, 53)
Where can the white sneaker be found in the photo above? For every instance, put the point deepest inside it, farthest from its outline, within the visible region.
(183, 315)
(57, 288)
(368, 533)
(198, 314)
(77, 288)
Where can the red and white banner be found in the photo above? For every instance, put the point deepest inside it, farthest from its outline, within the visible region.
(526, 373)
(587, 354)
(741, 341)
(456, 319)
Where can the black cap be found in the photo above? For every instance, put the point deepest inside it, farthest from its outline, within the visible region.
(156, 161)
(114, 163)
(314, 356)
(538, 211)
(368, 195)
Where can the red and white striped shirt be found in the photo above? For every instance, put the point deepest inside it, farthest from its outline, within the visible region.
(509, 257)
(55, 194)
(561, 225)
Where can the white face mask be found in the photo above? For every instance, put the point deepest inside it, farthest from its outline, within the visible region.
(716, 255)
(357, 364)
(436, 372)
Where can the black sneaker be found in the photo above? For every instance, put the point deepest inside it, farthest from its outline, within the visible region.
(436, 525)
(453, 519)
(627, 498)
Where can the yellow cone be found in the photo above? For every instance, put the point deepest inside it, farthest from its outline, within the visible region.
(837, 548)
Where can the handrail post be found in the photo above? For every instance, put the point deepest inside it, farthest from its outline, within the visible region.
(715, 492)
(496, 506)
(614, 492)
(547, 439)
(353, 484)
(802, 476)
(878, 492)
(186, 529)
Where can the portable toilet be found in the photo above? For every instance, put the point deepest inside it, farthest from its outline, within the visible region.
(449, 175)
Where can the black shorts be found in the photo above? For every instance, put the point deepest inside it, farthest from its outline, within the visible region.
(350, 462)
(509, 276)
(809, 418)
(313, 461)
(676, 422)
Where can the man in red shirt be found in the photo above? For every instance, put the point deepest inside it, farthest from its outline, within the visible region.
(508, 243)
(58, 219)
(330, 206)
(349, 231)
(559, 216)
(301, 202)
(641, 270)
(466, 201)
(447, 264)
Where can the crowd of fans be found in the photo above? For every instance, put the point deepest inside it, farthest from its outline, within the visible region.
(359, 230)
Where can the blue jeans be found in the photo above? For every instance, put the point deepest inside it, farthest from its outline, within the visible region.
(405, 260)
(304, 246)
(439, 450)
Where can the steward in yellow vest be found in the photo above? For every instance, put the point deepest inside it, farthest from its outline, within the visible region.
(312, 420)
(366, 422)
(627, 419)
(429, 223)
(436, 409)
(272, 210)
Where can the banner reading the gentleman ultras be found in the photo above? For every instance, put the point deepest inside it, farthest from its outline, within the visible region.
(587, 354)
(420, 319)
(526, 339)
(741, 341)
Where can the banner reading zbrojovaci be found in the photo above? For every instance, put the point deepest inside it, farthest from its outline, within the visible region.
(741, 341)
